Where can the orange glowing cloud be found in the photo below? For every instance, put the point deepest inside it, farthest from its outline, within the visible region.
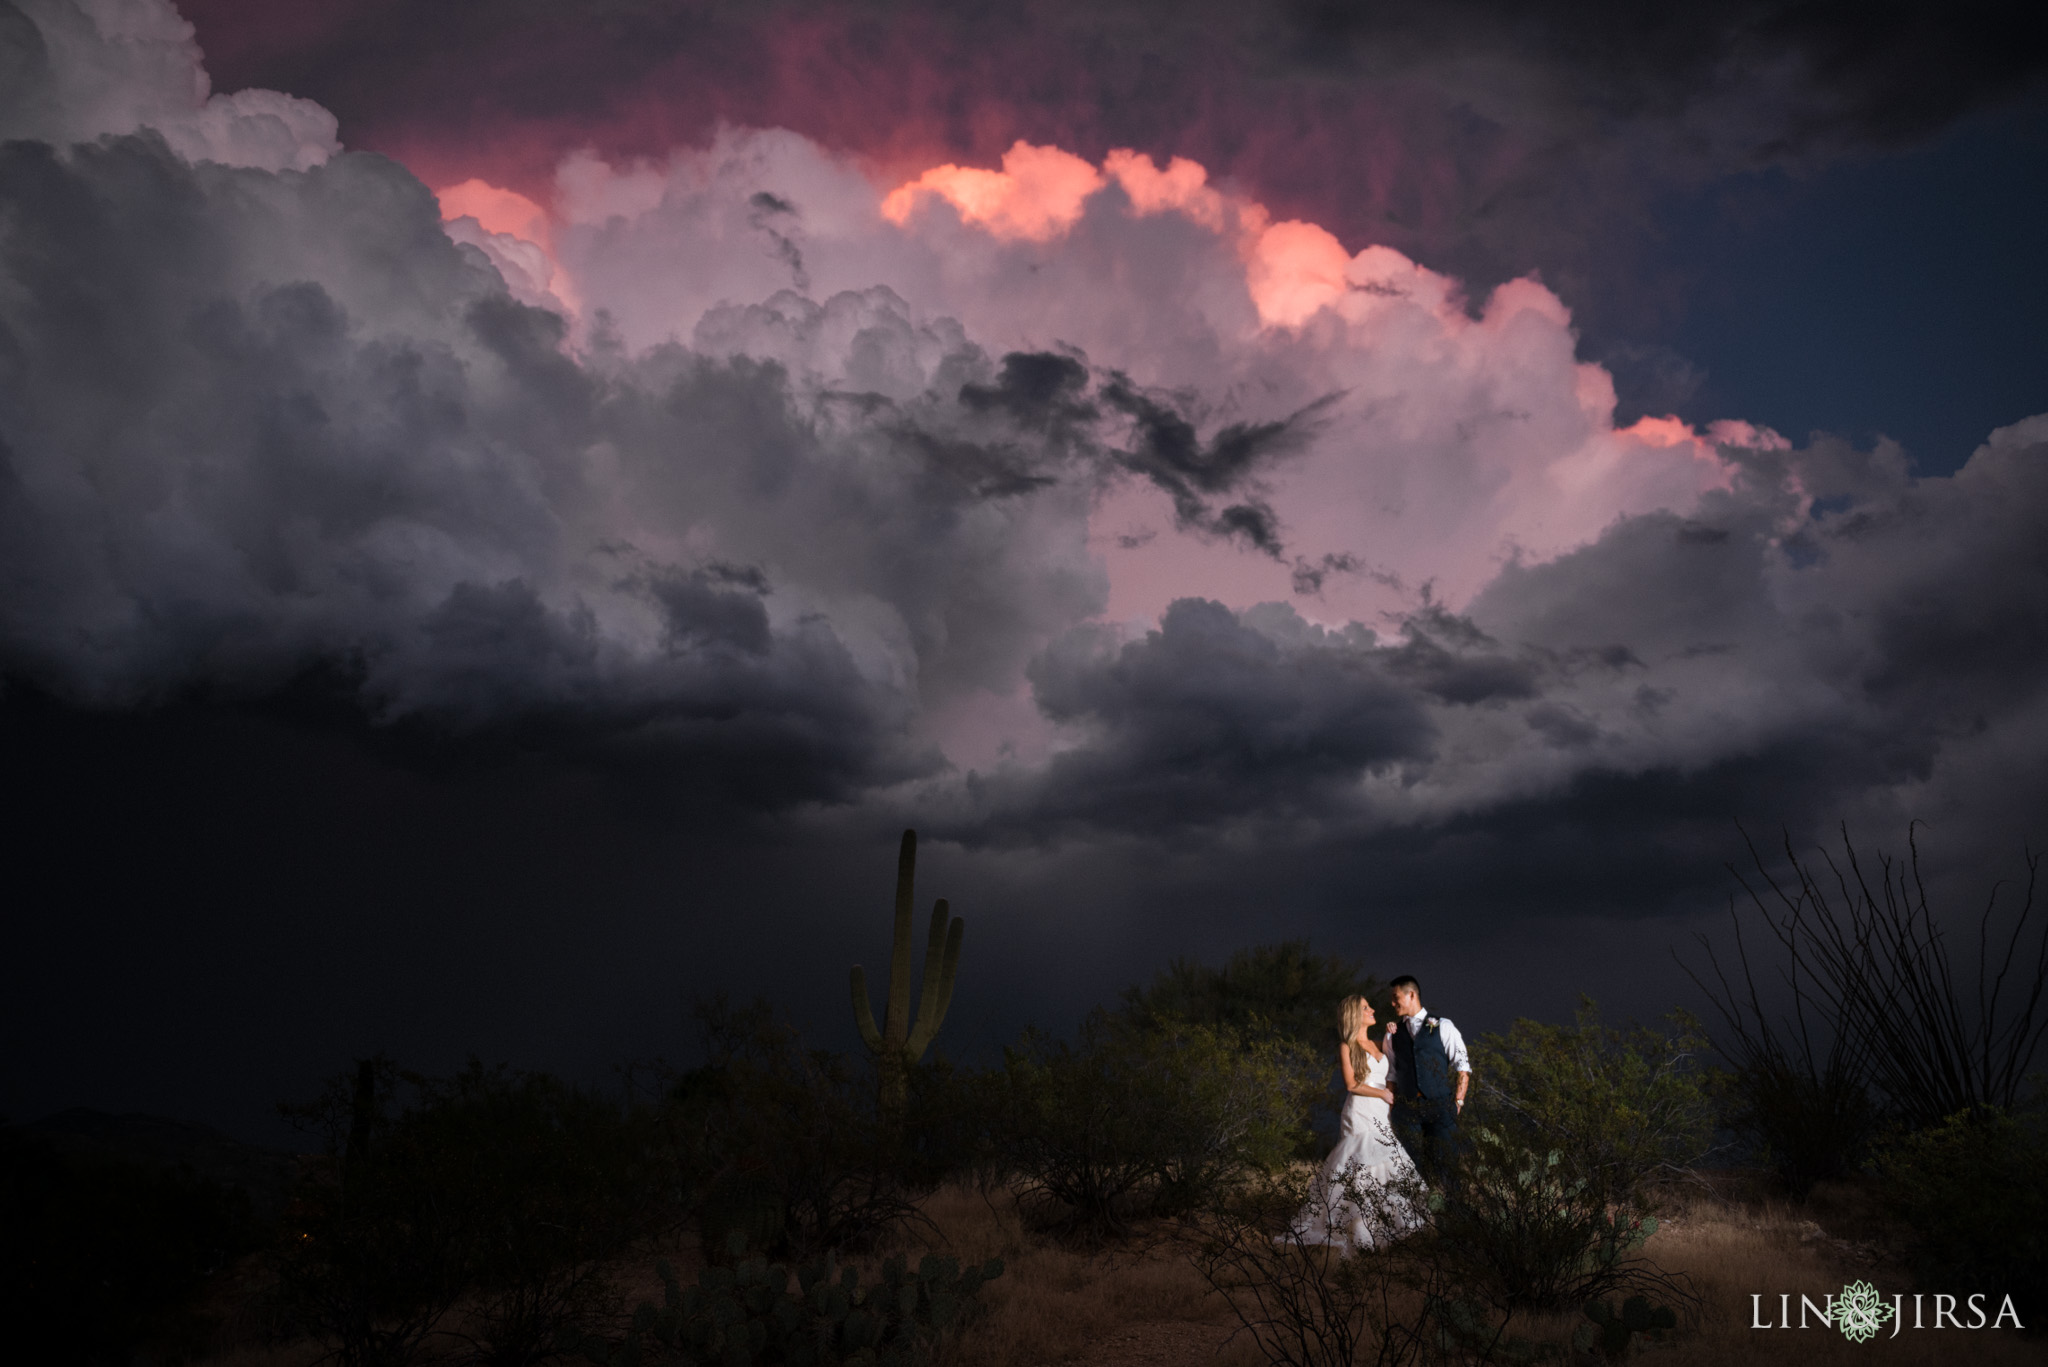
(1292, 269)
(517, 235)
(499, 211)
(1037, 195)
(1183, 187)
(1667, 431)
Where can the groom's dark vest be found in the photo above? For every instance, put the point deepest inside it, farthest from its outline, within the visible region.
(1421, 1067)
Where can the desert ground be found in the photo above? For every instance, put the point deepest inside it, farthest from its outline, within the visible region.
(1141, 1303)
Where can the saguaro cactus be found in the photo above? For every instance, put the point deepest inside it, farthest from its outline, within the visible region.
(900, 1043)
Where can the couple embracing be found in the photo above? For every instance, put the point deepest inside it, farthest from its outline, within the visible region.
(1410, 1085)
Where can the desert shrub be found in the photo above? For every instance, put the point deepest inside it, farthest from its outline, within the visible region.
(1623, 1108)
(1300, 1303)
(786, 1146)
(1122, 1120)
(103, 1260)
(1974, 1193)
(746, 1313)
(1863, 999)
(505, 1193)
(1613, 1333)
(1810, 1117)
(1286, 989)
(558, 1181)
(1521, 1229)
(1307, 1305)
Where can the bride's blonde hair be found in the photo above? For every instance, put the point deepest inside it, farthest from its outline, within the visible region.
(1351, 1015)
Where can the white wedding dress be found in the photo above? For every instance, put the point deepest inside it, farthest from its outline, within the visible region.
(1365, 1192)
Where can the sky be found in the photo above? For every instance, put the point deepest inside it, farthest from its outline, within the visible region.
(506, 510)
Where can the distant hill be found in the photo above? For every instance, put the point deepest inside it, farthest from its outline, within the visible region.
(159, 1142)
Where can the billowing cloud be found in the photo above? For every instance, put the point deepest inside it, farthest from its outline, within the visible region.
(75, 70)
(1057, 496)
(463, 602)
(1483, 137)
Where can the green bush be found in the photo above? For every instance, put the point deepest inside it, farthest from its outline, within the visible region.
(1286, 989)
(1524, 1231)
(1623, 1108)
(1124, 1120)
(1974, 1192)
(102, 1260)
(745, 1314)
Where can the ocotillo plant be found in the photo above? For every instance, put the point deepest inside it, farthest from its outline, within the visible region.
(899, 1043)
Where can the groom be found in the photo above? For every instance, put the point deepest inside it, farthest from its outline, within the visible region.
(1429, 1074)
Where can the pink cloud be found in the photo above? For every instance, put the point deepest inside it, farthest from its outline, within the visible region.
(1452, 443)
(1036, 196)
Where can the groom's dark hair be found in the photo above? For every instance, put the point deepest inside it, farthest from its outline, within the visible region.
(1403, 981)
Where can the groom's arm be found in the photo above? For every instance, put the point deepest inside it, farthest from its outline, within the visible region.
(1461, 1063)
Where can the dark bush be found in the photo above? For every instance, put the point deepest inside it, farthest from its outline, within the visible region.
(1973, 1191)
(500, 1192)
(1123, 1120)
(1287, 989)
(1864, 1011)
(786, 1145)
(1809, 1123)
(102, 1260)
(1301, 1304)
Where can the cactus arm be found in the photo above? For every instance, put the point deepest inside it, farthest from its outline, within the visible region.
(863, 1015)
(951, 970)
(941, 967)
(928, 993)
(896, 1025)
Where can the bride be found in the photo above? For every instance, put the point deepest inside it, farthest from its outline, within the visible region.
(1364, 1195)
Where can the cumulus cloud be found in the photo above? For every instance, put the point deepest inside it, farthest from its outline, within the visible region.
(74, 70)
(1056, 497)
(1828, 636)
(1483, 137)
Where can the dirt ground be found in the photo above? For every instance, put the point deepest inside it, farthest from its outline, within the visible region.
(1144, 1304)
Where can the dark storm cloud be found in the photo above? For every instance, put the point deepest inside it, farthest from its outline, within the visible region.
(1166, 449)
(1865, 73)
(1828, 638)
(1484, 137)
(258, 425)
(263, 423)
(1862, 72)
(1040, 389)
(1448, 658)
(1211, 718)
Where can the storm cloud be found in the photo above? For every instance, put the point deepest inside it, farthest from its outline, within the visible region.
(1089, 513)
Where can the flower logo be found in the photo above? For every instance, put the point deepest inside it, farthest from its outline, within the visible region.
(1860, 1312)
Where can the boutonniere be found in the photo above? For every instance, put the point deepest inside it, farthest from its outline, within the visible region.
(1429, 1025)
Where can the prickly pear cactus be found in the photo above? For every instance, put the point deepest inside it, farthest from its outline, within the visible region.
(1614, 1332)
